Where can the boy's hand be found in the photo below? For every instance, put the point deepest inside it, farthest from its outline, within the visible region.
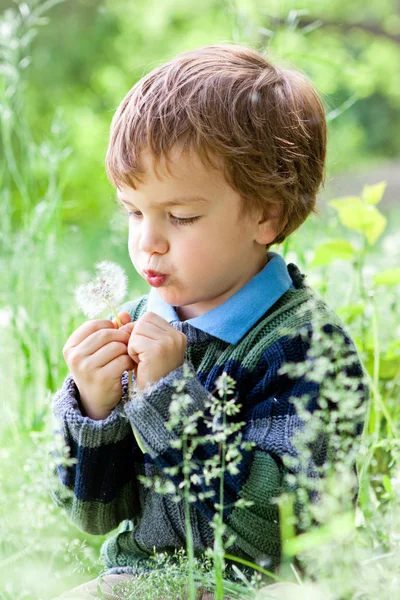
(155, 347)
(97, 355)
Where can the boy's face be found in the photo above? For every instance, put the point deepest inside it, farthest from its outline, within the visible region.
(206, 261)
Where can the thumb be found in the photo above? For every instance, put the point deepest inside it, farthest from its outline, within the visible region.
(124, 317)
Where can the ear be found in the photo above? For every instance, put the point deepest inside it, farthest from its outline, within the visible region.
(268, 228)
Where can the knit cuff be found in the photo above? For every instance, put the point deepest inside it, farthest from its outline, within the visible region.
(148, 409)
(84, 430)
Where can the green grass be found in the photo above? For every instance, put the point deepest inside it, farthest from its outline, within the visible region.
(41, 553)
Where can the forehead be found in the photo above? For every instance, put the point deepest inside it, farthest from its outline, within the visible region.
(127, 195)
(178, 162)
(179, 177)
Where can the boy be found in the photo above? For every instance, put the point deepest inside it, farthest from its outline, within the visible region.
(216, 156)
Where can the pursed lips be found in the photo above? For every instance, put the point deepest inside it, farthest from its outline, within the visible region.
(151, 273)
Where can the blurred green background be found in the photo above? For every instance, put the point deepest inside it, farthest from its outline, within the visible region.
(90, 54)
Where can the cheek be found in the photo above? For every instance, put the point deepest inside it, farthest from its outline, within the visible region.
(132, 246)
(206, 251)
(133, 236)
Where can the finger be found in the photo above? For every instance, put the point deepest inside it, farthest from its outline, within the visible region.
(106, 354)
(138, 344)
(143, 344)
(98, 339)
(124, 317)
(129, 327)
(133, 354)
(116, 367)
(152, 330)
(87, 329)
(151, 317)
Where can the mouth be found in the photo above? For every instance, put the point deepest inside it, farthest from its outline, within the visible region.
(151, 273)
(155, 279)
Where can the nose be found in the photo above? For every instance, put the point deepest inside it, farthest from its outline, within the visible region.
(151, 238)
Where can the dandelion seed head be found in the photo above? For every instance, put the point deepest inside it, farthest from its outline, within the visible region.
(106, 290)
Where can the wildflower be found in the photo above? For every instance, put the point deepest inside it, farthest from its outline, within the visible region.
(107, 290)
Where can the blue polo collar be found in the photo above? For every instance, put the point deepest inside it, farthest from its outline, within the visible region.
(232, 319)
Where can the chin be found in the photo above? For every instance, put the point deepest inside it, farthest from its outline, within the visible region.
(174, 299)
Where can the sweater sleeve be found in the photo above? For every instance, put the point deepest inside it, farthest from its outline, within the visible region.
(100, 489)
(271, 423)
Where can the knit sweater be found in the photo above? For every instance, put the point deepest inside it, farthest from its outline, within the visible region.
(249, 337)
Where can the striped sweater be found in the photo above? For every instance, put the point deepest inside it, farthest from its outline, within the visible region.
(249, 337)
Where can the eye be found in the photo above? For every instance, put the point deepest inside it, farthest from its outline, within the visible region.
(177, 220)
(184, 221)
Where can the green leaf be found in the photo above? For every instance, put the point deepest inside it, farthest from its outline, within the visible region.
(340, 203)
(372, 423)
(388, 368)
(387, 484)
(339, 526)
(372, 194)
(364, 218)
(393, 350)
(387, 277)
(337, 249)
(351, 311)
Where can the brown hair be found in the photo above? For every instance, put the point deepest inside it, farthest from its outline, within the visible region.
(266, 122)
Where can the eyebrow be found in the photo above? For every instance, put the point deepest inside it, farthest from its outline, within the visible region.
(181, 200)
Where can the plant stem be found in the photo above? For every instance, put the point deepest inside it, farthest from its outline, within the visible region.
(391, 428)
(188, 526)
(129, 383)
(135, 433)
(287, 531)
(219, 563)
(247, 563)
(359, 264)
(119, 323)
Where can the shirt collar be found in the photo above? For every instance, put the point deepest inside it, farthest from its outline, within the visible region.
(231, 320)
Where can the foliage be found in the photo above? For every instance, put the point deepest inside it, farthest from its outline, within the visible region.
(351, 51)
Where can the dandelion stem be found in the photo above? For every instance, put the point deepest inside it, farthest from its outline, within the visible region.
(135, 433)
(119, 323)
(129, 383)
(139, 440)
(129, 372)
